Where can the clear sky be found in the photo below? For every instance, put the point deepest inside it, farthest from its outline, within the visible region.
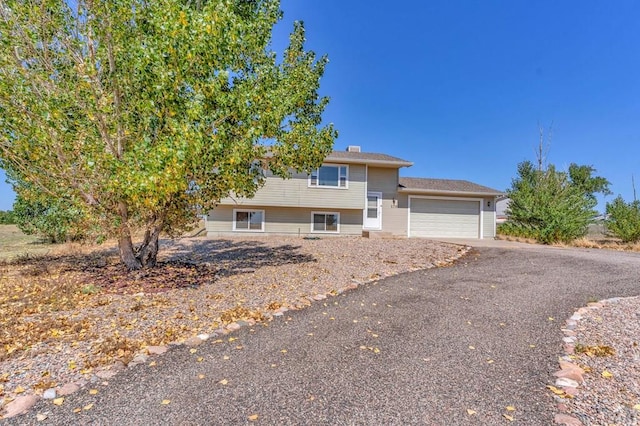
(460, 87)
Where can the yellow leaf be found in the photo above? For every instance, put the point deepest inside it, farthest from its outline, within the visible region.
(223, 381)
(77, 410)
(87, 407)
(193, 350)
(363, 347)
(606, 374)
(490, 361)
(200, 376)
(532, 346)
(472, 347)
(551, 319)
(555, 390)
(253, 417)
(152, 364)
(508, 417)
(19, 389)
(231, 339)
(284, 351)
(200, 359)
(376, 350)
(511, 408)
(225, 357)
(58, 401)
(93, 392)
(471, 412)
(636, 407)
(165, 401)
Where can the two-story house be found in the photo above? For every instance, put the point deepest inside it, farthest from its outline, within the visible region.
(360, 193)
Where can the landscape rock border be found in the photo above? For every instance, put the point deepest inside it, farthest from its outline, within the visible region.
(570, 376)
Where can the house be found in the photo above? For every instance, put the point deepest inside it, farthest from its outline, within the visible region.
(502, 204)
(360, 193)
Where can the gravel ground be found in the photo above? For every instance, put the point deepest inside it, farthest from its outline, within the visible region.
(257, 275)
(604, 399)
(472, 344)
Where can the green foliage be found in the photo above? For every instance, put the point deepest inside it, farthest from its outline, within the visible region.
(149, 112)
(53, 220)
(7, 217)
(624, 219)
(552, 206)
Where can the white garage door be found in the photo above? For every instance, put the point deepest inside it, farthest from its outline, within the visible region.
(433, 218)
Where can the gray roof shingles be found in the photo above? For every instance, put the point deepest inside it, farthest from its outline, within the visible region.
(445, 185)
(367, 157)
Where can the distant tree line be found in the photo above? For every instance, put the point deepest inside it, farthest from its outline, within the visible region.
(7, 217)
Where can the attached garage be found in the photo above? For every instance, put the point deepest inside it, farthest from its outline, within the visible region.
(444, 217)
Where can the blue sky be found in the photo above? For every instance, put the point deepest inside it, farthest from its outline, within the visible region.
(460, 87)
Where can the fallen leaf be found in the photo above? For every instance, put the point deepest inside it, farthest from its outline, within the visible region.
(532, 346)
(363, 347)
(376, 350)
(231, 339)
(58, 401)
(200, 359)
(165, 402)
(152, 364)
(223, 381)
(93, 391)
(77, 410)
(253, 417)
(200, 376)
(555, 390)
(636, 407)
(508, 417)
(87, 407)
(225, 357)
(471, 412)
(551, 319)
(41, 417)
(511, 408)
(193, 350)
(472, 347)
(284, 351)
(490, 361)
(606, 374)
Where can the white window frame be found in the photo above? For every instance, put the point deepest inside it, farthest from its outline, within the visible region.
(236, 229)
(337, 231)
(316, 173)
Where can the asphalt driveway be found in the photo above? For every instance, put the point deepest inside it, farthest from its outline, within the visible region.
(419, 348)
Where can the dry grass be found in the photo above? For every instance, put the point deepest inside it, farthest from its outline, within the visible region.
(585, 242)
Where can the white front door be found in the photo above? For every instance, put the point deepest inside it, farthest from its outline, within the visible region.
(373, 212)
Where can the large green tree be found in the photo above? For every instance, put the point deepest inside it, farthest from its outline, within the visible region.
(551, 205)
(148, 111)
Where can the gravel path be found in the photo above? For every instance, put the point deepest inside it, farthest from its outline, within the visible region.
(475, 343)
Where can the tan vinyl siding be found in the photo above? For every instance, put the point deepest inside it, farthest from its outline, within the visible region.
(489, 218)
(385, 180)
(283, 220)
(295, 192)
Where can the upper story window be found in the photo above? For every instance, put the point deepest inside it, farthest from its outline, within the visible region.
(330, 176)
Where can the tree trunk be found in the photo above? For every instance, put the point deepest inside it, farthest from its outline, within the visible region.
(148, 252)
(127, 253)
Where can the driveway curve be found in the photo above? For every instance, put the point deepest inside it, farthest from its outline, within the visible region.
(419, 348)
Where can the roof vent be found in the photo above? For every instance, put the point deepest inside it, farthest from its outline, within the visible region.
(353, 148)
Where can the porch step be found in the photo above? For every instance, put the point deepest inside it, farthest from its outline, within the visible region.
(377, 234)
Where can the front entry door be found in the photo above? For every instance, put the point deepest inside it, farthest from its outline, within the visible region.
(373, 212)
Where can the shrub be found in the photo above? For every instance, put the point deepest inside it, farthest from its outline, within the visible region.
(624, 220)
(552, 206)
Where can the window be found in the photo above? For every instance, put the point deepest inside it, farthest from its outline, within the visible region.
(325, 222)
(248, 220)
(331, 176)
